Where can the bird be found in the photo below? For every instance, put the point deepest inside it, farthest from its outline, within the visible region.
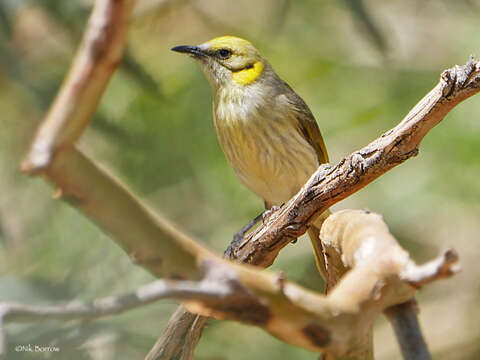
(265, 129)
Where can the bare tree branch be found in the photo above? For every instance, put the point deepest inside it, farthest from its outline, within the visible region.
(403, 318)
(357, 240)
(333, 183)
(180, 337)
(98, 56)
(146, 237)
(442, 266)
(340, 323)
(160, 289)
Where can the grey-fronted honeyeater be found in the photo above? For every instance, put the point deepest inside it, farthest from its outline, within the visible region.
(266, 131)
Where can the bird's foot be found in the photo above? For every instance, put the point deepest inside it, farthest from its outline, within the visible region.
(266, 214)
(239, 235)
(269, 212)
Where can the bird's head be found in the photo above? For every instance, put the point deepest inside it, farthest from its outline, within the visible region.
(227, 60)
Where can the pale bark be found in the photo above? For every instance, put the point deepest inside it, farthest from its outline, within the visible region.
(373, 280)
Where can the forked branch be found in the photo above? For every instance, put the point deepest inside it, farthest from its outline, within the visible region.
(336, 323)
(333, 183)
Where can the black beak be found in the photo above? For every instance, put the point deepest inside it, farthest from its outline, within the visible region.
(187, 49)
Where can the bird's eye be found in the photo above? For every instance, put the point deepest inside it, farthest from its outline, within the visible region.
(224, 53)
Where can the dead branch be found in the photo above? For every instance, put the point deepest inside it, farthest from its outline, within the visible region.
(99, 54)
(160, 289)
(403, 318)
(441, 266)
(355, 239)
(158, 246)
(333, 183)
(180, 337)
(337, 323)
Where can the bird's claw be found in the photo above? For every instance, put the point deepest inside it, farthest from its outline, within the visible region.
(266, 214)
(238, 237)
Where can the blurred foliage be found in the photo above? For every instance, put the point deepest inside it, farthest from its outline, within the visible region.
(360, 65)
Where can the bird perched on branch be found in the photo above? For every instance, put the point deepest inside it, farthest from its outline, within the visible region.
(266, 131)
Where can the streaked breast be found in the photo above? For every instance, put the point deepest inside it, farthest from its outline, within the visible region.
(264, 148)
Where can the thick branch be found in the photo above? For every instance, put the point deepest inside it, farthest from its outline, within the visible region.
(332, 183)
(180, 337)
(336, 323)
(97, 58)
(150, 240)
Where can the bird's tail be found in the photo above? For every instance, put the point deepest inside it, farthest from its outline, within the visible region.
(314, 234)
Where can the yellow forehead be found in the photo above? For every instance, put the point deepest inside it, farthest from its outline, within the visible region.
(231, 42)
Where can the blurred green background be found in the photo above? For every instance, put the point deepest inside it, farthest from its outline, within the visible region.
(359, 65)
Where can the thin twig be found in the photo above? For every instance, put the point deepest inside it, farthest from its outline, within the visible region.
(443, 266)
(147, 294)
(160, 289)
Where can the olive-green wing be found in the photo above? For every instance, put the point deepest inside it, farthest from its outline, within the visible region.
(306, 124)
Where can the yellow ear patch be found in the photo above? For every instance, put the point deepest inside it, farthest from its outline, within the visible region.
(248, 75)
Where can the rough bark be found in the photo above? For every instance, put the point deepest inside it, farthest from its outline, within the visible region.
(339, 323)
